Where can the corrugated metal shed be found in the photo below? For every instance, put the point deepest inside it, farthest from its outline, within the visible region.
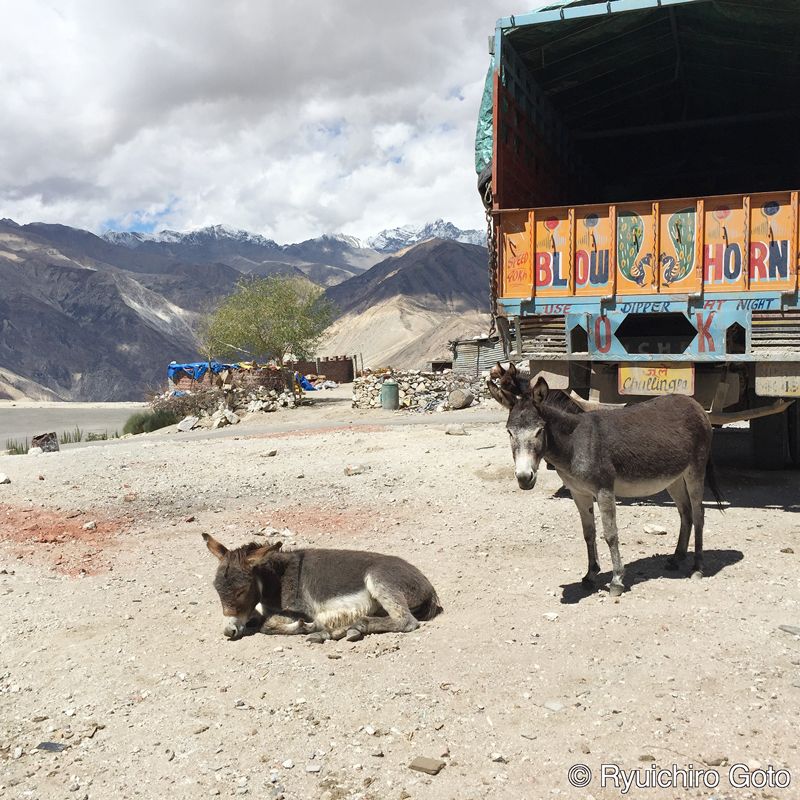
(475, 356)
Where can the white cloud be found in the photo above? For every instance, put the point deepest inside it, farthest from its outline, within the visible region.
(289, 119)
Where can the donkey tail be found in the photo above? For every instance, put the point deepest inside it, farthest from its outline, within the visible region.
(711, 480)
(429, 608)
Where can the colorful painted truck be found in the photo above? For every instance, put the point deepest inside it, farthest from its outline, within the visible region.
(640, 164)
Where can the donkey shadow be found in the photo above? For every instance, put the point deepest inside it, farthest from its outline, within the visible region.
(651, 568)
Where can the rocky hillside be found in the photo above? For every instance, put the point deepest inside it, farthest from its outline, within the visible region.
(85, 317)
(405, 310)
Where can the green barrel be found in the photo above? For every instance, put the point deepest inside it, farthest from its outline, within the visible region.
(390, 395)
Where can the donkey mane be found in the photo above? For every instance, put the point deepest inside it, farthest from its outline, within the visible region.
(243, 551)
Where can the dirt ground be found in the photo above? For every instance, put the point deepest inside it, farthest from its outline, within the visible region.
(111, 640)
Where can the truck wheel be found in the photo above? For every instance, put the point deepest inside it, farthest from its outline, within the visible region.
(770, 437)
(793, 414)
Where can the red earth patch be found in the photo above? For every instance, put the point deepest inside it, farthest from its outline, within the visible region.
(321, 519)
(58, 540)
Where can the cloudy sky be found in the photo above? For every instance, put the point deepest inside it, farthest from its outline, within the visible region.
(284, 117)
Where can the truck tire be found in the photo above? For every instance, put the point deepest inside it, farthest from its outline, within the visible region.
(793, 414)
(770, 437)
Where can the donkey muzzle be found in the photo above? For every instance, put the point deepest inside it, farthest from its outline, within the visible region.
(526, 480)
(232, 629)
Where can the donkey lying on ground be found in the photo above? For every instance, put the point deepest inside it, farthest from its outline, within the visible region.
(638, 450)
(330, 594)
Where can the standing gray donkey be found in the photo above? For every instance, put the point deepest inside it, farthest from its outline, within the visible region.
(330, 594)
(635, 451)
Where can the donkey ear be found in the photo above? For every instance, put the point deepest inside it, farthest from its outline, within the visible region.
(497, 371)
(216, 548)
(512, 369)
(262, 554)
(503, 396)
(539, 390)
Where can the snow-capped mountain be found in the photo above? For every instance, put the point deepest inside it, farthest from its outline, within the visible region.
(394, 239)
(387, 241)
(201, 236)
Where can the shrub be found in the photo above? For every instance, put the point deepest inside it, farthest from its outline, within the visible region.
(149, 421)
(17, 448)
(71, 437)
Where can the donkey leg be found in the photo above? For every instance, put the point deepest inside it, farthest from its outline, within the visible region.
(585, 504)
(286, 625)
(606, 502)
(399, 618)
(695, 485)
(678, 492)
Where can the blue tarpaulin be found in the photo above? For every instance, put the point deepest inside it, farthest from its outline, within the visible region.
(304, 382)
(198, 368)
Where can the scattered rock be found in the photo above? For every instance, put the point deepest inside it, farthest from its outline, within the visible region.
(4, 478)
(554, 705)
(188, 423)
(647, 757)
(460, 398)
(288, 764)
(455, 429)
(787, 550)
(713, 761)
(46, 442)
(200, 729)
(377, 753)
(793, 629)
(35, 451)
(190, 518)
(550, 616)
(655, 530)
(51, 747)
(356, 469)
(271, 453)
(232, 418)
(90, 526)
(499, 758)
(431, 766)
(313, 767)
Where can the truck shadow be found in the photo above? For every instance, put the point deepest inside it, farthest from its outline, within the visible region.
(650, 568)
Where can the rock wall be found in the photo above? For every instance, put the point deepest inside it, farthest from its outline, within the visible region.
(419, 391)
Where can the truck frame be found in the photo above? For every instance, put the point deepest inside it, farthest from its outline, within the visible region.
(641, 175)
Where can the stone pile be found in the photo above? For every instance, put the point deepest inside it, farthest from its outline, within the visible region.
(419, 391)
(235, 404)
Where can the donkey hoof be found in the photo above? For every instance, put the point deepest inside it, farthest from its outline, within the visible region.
(615, 590)
(354, 635)
(317, 638)
(588, 581)
(697, 574)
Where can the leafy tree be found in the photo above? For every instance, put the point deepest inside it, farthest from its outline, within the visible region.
(268, 319)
